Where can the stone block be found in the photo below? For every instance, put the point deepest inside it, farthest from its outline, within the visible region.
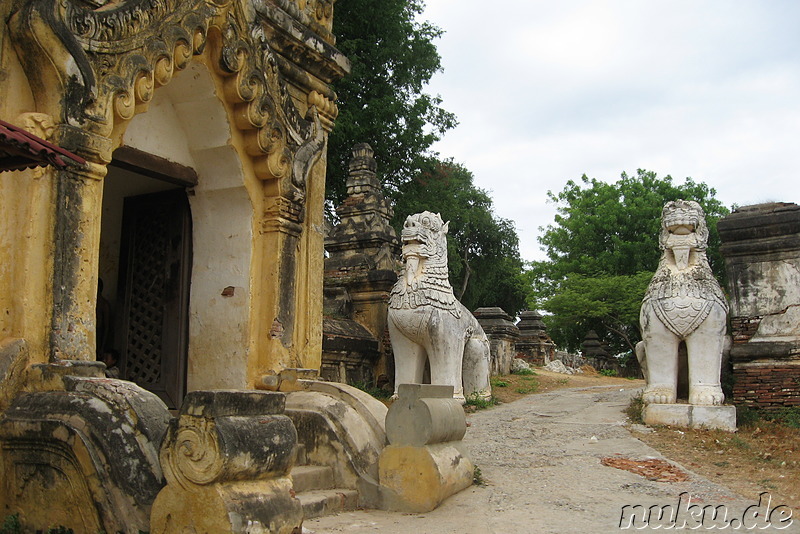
(418, 479)
(228, 403)
(226, 459)
(691, 416)
(424, 414)
(424, 464)
(667, 414)
(343, 427)
(86, 456)
(252, 506)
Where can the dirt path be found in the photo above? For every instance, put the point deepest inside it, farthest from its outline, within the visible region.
(541, 459)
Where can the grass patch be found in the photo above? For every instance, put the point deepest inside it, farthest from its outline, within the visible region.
(479, 403)
(533, 387)
(11, 525)
(498, 382)
(749, 417)
(767, 483)
(788, 416)
(746, 416)
(634, 409)
(608, 372)
(739, 443)
(524, 371)
(477, 477)
(378, 393)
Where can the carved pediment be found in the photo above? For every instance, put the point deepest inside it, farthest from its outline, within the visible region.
(112, 56)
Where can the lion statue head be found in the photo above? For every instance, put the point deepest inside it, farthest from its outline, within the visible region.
(424, 237)
(683, 221)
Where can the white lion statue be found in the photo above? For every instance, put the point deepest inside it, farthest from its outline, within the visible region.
(427, 323)
(683, 304)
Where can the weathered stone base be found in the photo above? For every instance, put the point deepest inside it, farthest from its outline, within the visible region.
(252, 506)
(691, 416)
(424, 464)
(226, 459)
(83, 455)
(418, 479)
(342, 427)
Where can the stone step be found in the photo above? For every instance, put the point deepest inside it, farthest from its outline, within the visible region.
(319, 503)
(312, 477)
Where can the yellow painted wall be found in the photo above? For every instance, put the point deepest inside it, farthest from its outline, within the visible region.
(26, 235)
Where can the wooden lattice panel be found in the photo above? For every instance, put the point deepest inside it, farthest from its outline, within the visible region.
(148, 288)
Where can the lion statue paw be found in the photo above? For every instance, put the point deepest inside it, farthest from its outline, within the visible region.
(706, 395)
(658, 395)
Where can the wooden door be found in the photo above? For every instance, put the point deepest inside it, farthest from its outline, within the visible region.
(155, 264)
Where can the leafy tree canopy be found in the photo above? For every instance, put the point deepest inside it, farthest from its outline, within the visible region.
(381, 101)
(483, 249)
(606, 304)
(602, 248)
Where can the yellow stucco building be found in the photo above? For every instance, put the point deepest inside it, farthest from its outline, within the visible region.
(204, 125)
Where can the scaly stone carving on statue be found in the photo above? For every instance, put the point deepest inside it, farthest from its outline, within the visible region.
(684, 303)
(426, 322)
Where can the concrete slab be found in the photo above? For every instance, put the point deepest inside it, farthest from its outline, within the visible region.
(691, 416)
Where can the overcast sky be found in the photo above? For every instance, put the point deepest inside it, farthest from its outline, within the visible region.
(546, 91)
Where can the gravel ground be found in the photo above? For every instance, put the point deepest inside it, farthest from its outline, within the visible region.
(540, 458)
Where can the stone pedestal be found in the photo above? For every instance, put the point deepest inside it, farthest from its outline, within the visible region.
(691, 416)
(423, 463)
(502, 334)
(226, 459)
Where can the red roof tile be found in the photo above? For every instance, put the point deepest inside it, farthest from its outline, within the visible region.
(20, 149)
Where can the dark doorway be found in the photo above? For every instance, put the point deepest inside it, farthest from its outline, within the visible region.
(153, 292)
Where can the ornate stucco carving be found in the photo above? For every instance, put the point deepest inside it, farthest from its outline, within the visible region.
(112, 59)
(232, 452)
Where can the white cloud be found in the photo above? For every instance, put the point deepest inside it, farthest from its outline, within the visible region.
(546, 91)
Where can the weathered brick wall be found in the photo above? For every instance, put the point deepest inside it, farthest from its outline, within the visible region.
(743, 328)
(768, 387)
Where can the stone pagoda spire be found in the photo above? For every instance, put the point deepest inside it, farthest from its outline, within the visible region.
(360, 270)
(363, 239)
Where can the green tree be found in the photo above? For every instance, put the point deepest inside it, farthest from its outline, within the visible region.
(381, 102)
(602, 248)
(483, 249)
(605, 303)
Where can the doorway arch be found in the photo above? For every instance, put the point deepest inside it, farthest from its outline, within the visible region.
(187, 125)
